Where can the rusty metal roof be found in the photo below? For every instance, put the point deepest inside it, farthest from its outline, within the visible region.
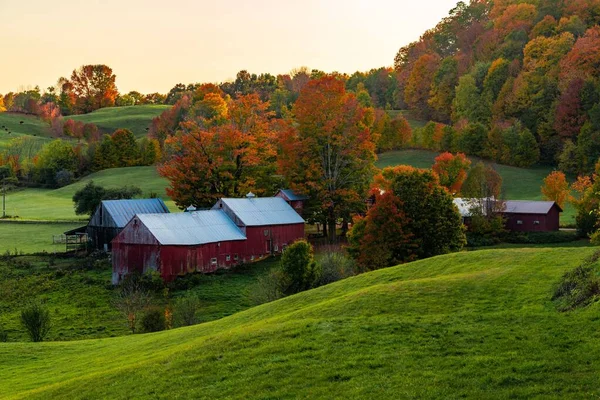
(191, 228)
(117, 213)
(261, 211)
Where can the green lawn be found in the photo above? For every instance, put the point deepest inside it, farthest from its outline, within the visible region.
(518, 183)
(474, 325)
(48, 204)
(134, 118)
(32, 238)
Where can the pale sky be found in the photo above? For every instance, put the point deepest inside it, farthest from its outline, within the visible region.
(153, 44)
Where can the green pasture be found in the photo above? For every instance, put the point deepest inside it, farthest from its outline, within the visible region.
(29, 238)
(467, 325)
(134, 118)
(57, 204)
(31, 126)
(518, 183)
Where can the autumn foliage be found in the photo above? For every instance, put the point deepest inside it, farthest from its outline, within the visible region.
(556, 188)
(451, 170)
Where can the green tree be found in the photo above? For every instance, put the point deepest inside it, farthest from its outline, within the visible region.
(105, 156)
(300, 271)
(56, 156)
(88, 198)
(126, 148)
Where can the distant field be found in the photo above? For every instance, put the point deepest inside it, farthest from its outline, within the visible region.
(32, 238)
(414, 122)
(134, 118)
(48, 204)
(477, 325)
(32, 126)
(518, 183)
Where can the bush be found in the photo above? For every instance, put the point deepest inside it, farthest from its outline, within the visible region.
(186, 309)
(541, 237)
(578, 287)
(335, 266)
(63, 178)
(154, 321)
(36, 321)
(269, 287)
(299, 269)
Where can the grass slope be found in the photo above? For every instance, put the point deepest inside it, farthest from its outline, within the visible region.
(32, 238)
(32, 126)
(476, 325)
(57, 204)
(134, 118)
(518, 183)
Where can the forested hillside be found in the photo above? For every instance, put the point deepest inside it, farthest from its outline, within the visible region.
(516, 79)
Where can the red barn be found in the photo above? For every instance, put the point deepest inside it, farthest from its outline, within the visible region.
(296, 201)
(176, 244)
(532, 216)
(269, 223)
(235, 231)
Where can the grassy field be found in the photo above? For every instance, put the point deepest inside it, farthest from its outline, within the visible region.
(31, 126)
(134, 118)
(476, 325)
(518, 183)
(32, 238)
(48, 204)
(78, 293)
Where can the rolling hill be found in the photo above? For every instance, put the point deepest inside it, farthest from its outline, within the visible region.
(477, 325)
(31, 126)
(134, 118)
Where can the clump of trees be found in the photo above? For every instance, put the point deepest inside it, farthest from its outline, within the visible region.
(413, 217)
(88, 198)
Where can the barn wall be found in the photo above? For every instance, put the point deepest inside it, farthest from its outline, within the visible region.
(547, 222)
(266, 240)
(100, 236)
(128, 258)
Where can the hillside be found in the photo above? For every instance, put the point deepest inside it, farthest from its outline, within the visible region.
(31, 126)
(134, 118)
(464, 325)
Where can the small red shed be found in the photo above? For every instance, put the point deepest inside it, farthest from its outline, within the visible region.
(296, 201)
(177, 244)
(532, 216)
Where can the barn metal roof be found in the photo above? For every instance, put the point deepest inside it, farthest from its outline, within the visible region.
(293, 196)
(528, 207)
(262, 211)
(122, 211)
(191, 228)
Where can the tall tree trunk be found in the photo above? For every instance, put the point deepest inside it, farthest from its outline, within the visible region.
(331, 224)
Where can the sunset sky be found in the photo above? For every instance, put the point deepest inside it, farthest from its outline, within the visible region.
(152, 45)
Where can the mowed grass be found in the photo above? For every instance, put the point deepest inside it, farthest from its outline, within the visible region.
(134, 118)
(31, 126)
(57, 204)
(518, 183)
(475, 325)
(30, 238)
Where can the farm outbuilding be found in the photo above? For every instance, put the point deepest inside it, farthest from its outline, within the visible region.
(532, 216)
(235, 231)
(111, 216)
(296, 201)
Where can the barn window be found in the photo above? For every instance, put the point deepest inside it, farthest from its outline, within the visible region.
(536, 222)
(235, 257)
(266, 232)
(213, 261)
(519, 222)
(276, 248)
(227, 257)
(252, 258)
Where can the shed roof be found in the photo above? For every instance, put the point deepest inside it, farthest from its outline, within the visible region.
(262, 211)
(529, 207)
(122, 211)
(191, 228)
(293, 196)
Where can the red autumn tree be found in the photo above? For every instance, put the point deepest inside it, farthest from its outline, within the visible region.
(94, 87)
(556, 188)
(328, 153)
(204, 164)
(570, 116)
(583, 59)
(452, 170)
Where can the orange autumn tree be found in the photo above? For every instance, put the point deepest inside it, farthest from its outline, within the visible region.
(452, 170)
(328, 153)
(556, 188)
(208, 162)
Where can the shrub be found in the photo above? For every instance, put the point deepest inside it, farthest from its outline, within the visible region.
(299, 269)
(154, 321)
(269, 287)
(36, 321)
(578, 287)
(185, 310)
(541, 237)
(63, 178)
(335, 266)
